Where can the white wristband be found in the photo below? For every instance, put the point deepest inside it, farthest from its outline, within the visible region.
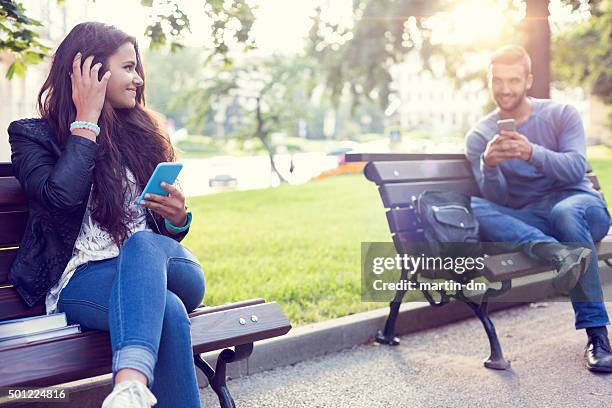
(81, 124)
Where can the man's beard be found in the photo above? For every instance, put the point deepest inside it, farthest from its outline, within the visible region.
(516, 103)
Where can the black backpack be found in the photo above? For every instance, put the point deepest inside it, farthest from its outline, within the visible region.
(446, 217)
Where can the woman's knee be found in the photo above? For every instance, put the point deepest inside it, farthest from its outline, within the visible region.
(155, 243)
(140, 239)
(186, 279)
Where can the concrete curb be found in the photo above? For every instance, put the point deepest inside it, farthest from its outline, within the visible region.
(317, 339)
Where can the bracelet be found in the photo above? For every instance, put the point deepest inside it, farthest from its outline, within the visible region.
(174, 229)
(81, 124)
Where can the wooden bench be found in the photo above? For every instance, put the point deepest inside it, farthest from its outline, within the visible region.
(87, 354)
(400, 179)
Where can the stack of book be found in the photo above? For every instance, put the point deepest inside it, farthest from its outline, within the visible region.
(28, 329)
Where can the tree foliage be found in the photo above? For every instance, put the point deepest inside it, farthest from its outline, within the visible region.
(359, 59)
(583, 56)
(19, 38)
(231, 21)
(273, 94)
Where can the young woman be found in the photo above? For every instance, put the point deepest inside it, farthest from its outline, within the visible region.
(106, 261)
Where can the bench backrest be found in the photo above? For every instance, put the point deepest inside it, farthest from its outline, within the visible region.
(402, 177)
(13, 219)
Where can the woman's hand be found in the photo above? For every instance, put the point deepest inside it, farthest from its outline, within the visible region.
(171, 207)
(87, 92)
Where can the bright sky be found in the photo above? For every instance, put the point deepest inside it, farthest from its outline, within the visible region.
(282, 25)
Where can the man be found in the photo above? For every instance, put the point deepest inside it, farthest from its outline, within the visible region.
(535, 194)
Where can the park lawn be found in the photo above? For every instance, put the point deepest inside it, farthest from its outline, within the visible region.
(300, 245)
(600, 158)
(297, 245)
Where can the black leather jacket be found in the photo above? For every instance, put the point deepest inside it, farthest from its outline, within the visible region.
(57, 183)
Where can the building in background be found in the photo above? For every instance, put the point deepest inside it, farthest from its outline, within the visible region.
(19, 95)
(432, 103)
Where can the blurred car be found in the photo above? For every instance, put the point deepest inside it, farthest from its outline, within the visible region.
(222, 180)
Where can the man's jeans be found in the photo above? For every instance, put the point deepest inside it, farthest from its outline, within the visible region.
(142, 297)
(567, 217)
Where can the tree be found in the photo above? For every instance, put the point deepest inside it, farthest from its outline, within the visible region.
(19, 38)
(273, 94)
(168, 76)
(583, 56)
(231, 20)
(359, 59)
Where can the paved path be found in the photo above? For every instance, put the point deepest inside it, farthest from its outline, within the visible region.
(443, 368)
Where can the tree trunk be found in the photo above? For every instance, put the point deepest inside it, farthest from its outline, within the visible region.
(261, 135)
(537, 45)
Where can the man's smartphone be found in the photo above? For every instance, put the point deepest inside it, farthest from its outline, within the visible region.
(508, 125)
(166, 171)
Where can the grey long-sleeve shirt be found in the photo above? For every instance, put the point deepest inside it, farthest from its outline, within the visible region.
(558, 162)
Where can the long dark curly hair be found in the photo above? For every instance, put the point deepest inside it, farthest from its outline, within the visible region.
(132, 138)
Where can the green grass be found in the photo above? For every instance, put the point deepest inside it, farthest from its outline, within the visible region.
(300, 245)
(600, 158)
(297, 245)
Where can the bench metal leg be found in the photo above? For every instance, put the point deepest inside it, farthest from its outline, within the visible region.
(217, 377)
(496, 359)
(387, 335)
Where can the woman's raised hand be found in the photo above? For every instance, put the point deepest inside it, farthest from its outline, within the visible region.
(87, 92)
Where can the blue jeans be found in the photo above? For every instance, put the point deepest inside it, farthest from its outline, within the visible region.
(143, 297)
(564, 216)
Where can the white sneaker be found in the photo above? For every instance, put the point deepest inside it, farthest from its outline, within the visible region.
(130, 394)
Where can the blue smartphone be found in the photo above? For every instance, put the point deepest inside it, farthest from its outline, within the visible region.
(166, 171)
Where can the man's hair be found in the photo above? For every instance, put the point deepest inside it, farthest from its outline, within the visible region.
(512, 54)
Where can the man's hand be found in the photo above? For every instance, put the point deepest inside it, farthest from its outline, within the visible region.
(506, 146)
(522, 144)
(171, 207)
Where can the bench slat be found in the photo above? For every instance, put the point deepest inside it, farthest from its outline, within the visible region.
(495, 270)
(402, 219)
(212, 309)
(89, 353)
(405, 218)
(222, 329)
(56, 361)
(6, 259)
(11, 193)
(13, 307)
(377, 157)
(399, 194)
(399, 171)
(521, 265)
(6, 169)
(13, 225)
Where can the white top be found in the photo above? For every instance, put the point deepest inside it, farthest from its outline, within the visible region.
(94, 244)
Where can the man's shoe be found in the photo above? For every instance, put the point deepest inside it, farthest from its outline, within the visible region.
(598, 354)
(130, 394)
(570, 265)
